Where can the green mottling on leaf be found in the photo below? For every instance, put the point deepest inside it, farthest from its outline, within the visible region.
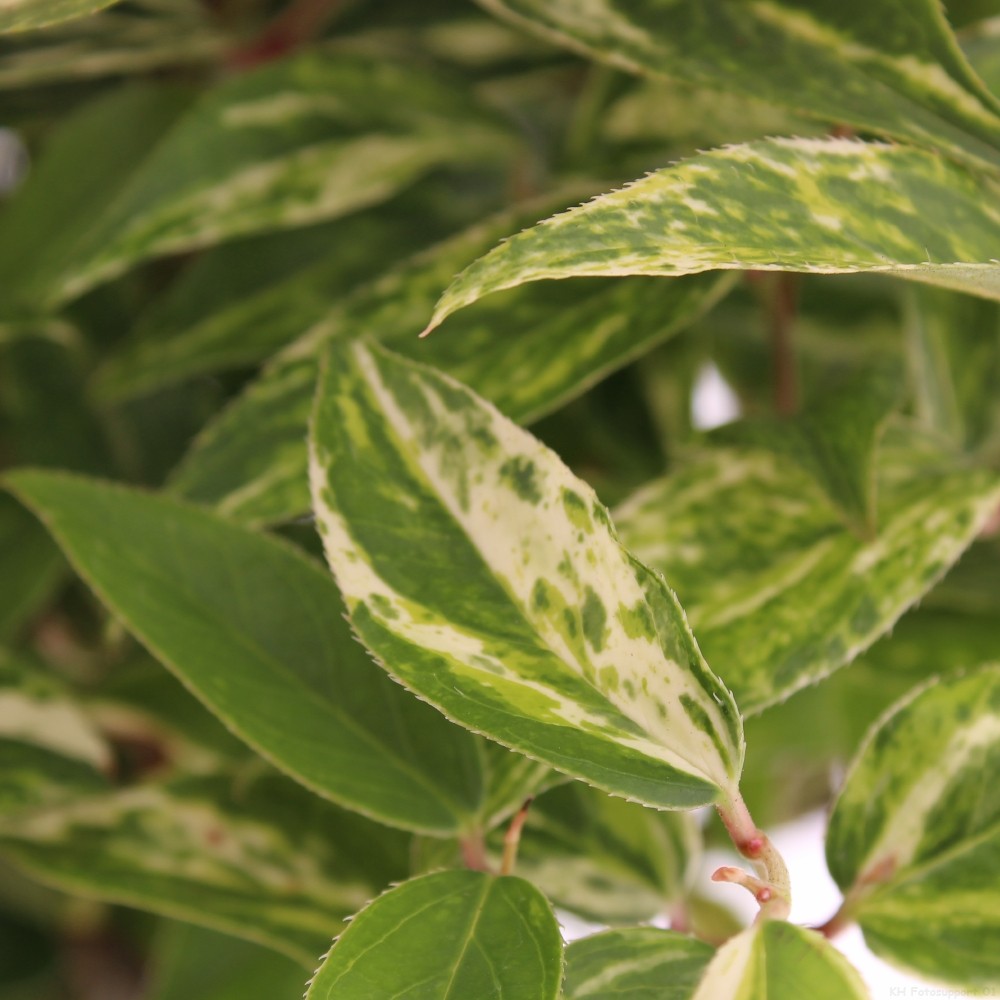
(576, 510)
(595, 619)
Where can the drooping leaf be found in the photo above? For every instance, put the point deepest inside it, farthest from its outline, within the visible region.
(750, 542)
(635, 963)
(527, 353)
(254, 629)
(20, 15)
(605, 859)
(776, 960)
(914, 839)
(193, 963)
(269, 862)
(891, 67)
(297, 142)
(489, 580)
(824, 206)
(444, 936)
(50, 750)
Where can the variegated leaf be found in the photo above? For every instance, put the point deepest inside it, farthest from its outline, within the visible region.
(447, 935)
(254, 629)
(20, 15)
(749, 541)
(50, 750)
(297, 142)
(776, 960)
(824, 206)
(269, 862)
(636, 963)
(607, 860)
(489, 580)
(891, 67)
(914, 839)
(528, 353)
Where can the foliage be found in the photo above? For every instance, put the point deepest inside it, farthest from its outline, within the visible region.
(322, 637)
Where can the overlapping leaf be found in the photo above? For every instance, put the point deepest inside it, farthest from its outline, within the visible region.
(20, 15)
(606, 859)
(779, 591)
(891, 67)
(49, 749)
(297, 142)
(824, 206)
(447, 935)
(636, 963)
(488, 579)
(527, 353)
(255, 630)
(271, 862)
(29, 566)
(776, 960)
(914, 838)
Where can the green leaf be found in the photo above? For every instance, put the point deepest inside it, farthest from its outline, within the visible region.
(914, 839)
(776, 960)
(891, 67)
(49, 749)
(527, 353)
(954, 354)
(30, 566)
(834, 440)
(489, 580)
(605, 859)
(780, 600)
(192, 963)
(636, 963)
(824, 206)
(20, 15)
(297, 142)
(254, 629)
(269, 862)
(447, 936)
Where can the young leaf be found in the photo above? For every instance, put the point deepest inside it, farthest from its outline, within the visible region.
(489, 580)
(914, 839)
(271, 862)
(446, 936)
(746, 574)
(297, 142)
(605, 859)
(824, 206)
(776, 960)
(636, 963)
(20, 15)
(254, 628)
(890, 66)
(527, 353)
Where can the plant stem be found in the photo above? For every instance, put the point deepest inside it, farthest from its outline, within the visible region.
(771, 888)
(512, 838)
(299, 22)
(474, 852)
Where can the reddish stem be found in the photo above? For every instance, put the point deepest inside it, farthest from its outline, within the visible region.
(512, 838)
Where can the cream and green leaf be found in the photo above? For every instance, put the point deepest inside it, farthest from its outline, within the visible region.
(264, 859)
(606, 859)
(892, 67)
(914, 839)
(447, 935)
(294, 143)
(749, 540)
(254, 628)
(488, 579)
(812, 205)
(527, 352)
(635, 963)
(775, 960)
